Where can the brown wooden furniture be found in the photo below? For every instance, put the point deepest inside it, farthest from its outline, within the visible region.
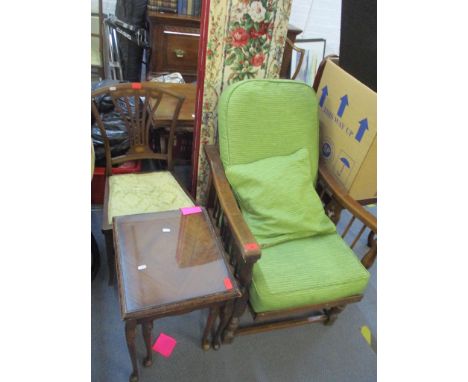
(244, 252)
(285, 71)
(174, 45)
(301, 57)
(185, 122)
(186, 118)
(169, 264)
(139, 117)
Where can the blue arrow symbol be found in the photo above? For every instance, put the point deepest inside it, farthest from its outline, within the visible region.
(343, 104)
(363, 126)
(324, 95)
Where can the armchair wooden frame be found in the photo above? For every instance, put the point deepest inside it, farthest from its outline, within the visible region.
(139, 120)
(243, 250)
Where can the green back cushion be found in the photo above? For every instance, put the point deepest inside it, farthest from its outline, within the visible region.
(278, 199)
(258, 119)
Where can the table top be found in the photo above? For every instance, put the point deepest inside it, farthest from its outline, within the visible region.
(168, 262)
(187, 111)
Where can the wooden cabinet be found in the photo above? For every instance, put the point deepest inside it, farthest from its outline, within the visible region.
(174, 45)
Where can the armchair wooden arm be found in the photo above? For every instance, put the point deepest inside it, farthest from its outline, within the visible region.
(243, 237)
(336, 199)
(346, 201)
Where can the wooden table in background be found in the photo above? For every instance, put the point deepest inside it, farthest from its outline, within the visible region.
(186, 119)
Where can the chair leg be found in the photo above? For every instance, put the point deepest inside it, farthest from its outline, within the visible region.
(212, 316)
(110, 255)
(224, 318)
(332, 314)
(239, 308)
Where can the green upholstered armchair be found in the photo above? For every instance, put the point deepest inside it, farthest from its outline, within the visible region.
(276, 208)
(137, 105)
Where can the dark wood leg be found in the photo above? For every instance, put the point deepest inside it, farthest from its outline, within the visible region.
(332, 314)
(130, 331)
(239, 308)
(212, 316)
(370, 238)
(110, 255)
(147, 328)
(225, 317)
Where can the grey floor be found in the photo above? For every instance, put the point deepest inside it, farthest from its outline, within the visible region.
(308, 353)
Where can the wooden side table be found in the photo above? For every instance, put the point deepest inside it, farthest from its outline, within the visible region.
(168, 264)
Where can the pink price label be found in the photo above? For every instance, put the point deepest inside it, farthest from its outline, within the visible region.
(164, 345)
(251, 247)
(227, 283)
(136, 85)
(191, 210)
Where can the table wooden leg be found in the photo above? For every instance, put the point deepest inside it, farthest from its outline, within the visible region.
(130, 331)
(147, 327)
(225, 316)
(110, 256)
(212, 316)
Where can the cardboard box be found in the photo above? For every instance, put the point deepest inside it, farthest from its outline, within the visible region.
(348, 131)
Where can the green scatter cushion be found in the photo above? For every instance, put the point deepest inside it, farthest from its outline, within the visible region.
(278, 199)
(259, 118)
(131, 194)
(306, 272)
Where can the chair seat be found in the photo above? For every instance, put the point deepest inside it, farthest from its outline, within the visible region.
(131, 194)
(305, 272)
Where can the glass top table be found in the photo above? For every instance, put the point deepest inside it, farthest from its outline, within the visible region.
(169, 263)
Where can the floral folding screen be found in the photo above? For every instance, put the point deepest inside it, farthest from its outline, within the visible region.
(245, 40)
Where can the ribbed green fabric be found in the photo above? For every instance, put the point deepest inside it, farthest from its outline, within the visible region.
(278, 199)
(258, 119)
(306, 272)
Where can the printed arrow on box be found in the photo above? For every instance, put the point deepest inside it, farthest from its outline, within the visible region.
(343, 104)
(323, 96)
(363, 126)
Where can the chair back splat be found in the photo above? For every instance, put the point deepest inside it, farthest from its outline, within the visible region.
(137, 106)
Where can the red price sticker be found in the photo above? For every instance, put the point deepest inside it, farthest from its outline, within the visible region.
(227, 283)
(251, 247)
(136, 85)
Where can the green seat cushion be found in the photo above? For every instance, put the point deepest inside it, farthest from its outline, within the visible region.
(261, 118)
(306, 272)
(278, 199)
(131, 194)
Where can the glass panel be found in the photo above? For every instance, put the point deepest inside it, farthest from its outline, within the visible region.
(165, 258)
(94, 6)
(95, 55)
(95, 24)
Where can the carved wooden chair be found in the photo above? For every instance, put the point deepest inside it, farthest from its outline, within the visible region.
(273, 205)
(137, 104)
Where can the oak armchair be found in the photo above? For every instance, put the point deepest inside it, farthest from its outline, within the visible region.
(268, 137)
